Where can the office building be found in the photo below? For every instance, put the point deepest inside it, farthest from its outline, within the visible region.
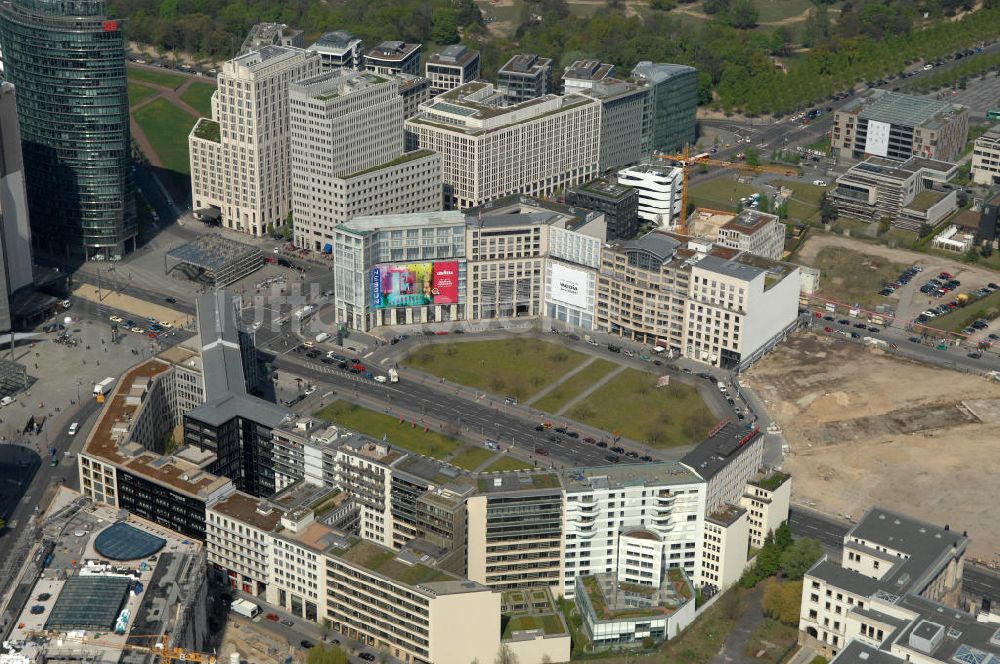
(659, 188)
(451, 67)
(232, 425)
(986, 158)
(893, 593)
(738, 308)
(67, 62)
(15, 231)
(908, 193)
(338, 50)
(673, 104)
(528, 257)
(710, 304)
(767, 499)
(880, 123)
(624, 106)
(728, 458)
(393, 57)
(414, 90)
(652, 512)
(489, 149)
(240, 159)
(271, 34)
(619, 203)
(400, 269)
(525, 76)
(347, 156)
(726, 540)
(237, 540)
(584, 75)
(757, 233)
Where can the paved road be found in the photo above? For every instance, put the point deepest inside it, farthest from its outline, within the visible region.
(977, 580)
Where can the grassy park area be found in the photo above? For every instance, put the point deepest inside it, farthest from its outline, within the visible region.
(415, 439)
(516, 367)
(631, 405)
(721, 193)
(804, 203)
(199, 96)
(167, 128)
(164, 78)
(574, 386)
(137, 92)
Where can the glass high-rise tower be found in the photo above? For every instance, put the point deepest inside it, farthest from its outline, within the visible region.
(67, 60)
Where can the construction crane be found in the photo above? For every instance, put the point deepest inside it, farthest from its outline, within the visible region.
(686, 161)
(160, 647)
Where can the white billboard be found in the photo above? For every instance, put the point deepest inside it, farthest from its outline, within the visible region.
(877, 141)
(568, 285)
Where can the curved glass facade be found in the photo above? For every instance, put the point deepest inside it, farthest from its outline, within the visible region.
(67, 61)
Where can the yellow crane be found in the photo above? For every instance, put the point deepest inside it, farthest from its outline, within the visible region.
(159, 647)
(686, 161)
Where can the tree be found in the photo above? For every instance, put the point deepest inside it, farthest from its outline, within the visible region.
(752, 157)
(925, 229)
(828, 212)
(444, 26)
(800, 556)
(742, 14)
(662, 5)
(505, 655)
(324, 654)
(783, 536)
(780, 40)
(715, 6)
(782, 601)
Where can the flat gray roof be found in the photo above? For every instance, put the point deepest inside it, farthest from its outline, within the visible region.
(627, 475)
(658, 244)
(720, 449)
(899, 109)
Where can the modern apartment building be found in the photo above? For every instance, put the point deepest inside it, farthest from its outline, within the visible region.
(611, 511)
(659, 188)
(619, 203)
(673, 104)
(400, 269)
(893, 593)
(727, 459)
(712, 304)
(908, 193)
(526, 257)
(347, 155)
(880, 123)
(525, 76)
(338, 50)
(238, 540)
(451, 67)
(489, 149)
(515, 528)
(240, 159)
(767, 499)
(726, 540)
(393, 57)
(754, 232)
(15, 232)
(986, 158)
(67, 61)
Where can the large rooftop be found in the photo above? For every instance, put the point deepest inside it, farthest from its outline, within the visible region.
(336, 83)
(372, 223)
(657, 72)
(519, 210)
(628, 475)
(405, 567)
(525, 63)
(722, 446)
(899, 109)
(249, 510)
(454, 54)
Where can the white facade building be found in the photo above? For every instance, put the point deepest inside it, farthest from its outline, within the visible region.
(766, 500)
(240, 158)
(724, 547)
(757, 233)
(238, 540)
(663, 499)
(659, 188)
(489, 150)
(451, 67)
(347, 155)
(338, 49)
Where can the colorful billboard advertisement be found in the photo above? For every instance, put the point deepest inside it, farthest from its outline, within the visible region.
(414, 284)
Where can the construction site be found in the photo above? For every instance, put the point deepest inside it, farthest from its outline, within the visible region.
(870, 428)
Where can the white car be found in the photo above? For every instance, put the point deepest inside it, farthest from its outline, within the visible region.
(928, 67)
(116, 319)
(73, 427)
(819, 183)
(310, 390)
(138, 330)
(6, 401)
(165, 325)
(380, 379)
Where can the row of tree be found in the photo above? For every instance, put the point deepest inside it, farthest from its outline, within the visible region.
(781, 554)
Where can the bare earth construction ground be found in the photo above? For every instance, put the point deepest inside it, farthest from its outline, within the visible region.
(866, 428)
